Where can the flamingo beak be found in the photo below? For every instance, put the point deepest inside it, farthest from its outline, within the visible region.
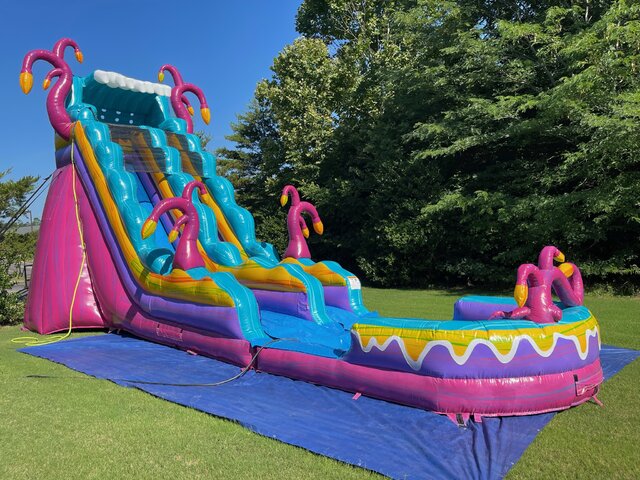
(559, 257)
(305, 232)
(206, 115)
(173, 235)
(148, 228)
(318, 227)
(79, 56)
(566, 269)
(284, 199)
(46, 83)
(521, 293)
(192, 112)
(26, 82)
(161, 76)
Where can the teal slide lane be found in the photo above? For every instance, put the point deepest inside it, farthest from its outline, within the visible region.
(239, 218)
(208, 234)
(223, 253)
(243, 226)
(353, 286)
(129, 196)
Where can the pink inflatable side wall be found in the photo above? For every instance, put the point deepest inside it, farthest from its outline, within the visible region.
(56, 266)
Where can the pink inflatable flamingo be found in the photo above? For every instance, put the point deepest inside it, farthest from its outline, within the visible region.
(187, 255)
(534, 285)
(56, 110)
(60, 46)
(296, 224)
(179, 102)
(58, 50)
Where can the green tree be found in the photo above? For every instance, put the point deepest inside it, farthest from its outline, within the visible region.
(445, 142)
(14, 248)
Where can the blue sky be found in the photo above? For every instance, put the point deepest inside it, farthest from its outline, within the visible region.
(225, 47)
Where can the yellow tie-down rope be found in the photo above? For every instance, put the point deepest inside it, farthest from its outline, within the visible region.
(36, 341)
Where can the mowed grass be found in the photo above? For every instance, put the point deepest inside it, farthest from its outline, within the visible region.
(65, 428)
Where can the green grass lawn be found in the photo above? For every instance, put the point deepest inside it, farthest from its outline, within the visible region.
(64, 428)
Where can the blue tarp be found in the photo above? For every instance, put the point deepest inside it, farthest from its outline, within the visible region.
(397, 441)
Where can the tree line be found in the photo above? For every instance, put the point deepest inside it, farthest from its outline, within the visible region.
(14, 247)
(445, 142)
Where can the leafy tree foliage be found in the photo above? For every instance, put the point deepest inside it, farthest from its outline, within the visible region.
(14, 248)
(445, 142)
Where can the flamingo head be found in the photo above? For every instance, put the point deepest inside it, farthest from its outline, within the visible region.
(194, 185)
(187, 104)
(303, 227)
(173, 235)
(318, 227)
(566, 269)
(206, 114)
(56, 72)
(177, 78)
(547, 256)
(148, 228)
(26, 82)
(528, 274)
(521, 293)
(289, 190)
(181, 89)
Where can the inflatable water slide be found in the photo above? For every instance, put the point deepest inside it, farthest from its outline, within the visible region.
(140, 234)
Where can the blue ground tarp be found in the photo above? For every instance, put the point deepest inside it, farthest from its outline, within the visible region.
(397, 441)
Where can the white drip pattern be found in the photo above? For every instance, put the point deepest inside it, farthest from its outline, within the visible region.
(462, 359)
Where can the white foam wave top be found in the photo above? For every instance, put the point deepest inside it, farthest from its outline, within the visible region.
(117, 80)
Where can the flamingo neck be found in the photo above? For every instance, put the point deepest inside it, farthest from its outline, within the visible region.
(177, 77)
(529, 274)
(179, 107)
(297, 247)
(34, 55)
(197, 91)
(62, 44)
(57, 96)
(545, 259)
(292, 192)
(187, 255)
(306, 207)
(187, 193)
